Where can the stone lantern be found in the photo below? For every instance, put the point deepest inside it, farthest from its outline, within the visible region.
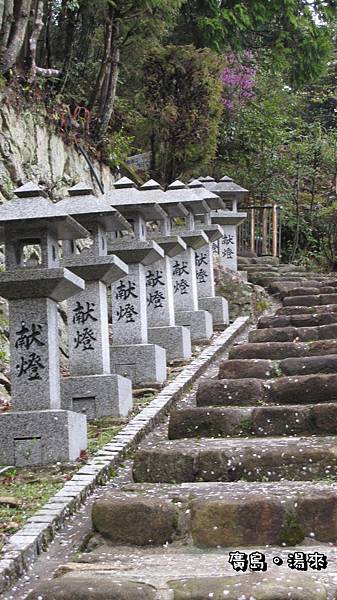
(131, 353)
(37, 431)
(216, 305)
(91, 388)
(185, 288)
(163, 330)
(229, 219)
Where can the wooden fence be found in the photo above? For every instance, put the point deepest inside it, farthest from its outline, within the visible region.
(261, 232)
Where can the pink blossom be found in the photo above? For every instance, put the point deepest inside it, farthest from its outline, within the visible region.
(238, 79)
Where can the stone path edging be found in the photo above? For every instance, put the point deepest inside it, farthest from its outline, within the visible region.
(24, 546)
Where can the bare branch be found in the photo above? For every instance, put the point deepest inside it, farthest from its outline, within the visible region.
(47, 72)
(38, 26)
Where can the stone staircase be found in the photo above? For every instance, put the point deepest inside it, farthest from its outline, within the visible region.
(239, 501)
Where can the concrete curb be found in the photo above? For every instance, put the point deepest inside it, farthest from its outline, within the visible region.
(24, 546)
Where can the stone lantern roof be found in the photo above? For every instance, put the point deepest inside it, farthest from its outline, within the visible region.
(155, 192)
(208, 182)
(171, 244)
(213, 201)
(129, 201)
(179, 192)
(85, 207)
(229, 190)
(34, 210)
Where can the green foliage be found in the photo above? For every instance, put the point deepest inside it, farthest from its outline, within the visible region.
(252, 140)
(285, 153)
(182, 100)
(117, 147)
(262, 305)
(289, 28)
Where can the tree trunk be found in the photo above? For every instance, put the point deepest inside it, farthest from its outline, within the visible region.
(2, 11)
(37, 28)
(97, 91)
(6, 24)
(18, 34)
(111, 91)
(33, 40)
(47, 41)
(297, 204)
(69, 39)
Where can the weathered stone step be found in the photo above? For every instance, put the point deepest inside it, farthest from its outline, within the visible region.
(290, 267)
(260, 260)
(300, 389)
(277, 459)
(88, 585)
(160, 580)
(305, 291)
(289, 334)
(257, 269)
(285, 269)
(279, 350)
(281, 285)
(297, 320)
(257, 421)
(306, 310)
(266, 279)
(214, 515)
(310, 300)
(268, 369)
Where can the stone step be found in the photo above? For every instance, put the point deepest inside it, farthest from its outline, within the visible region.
(281, 285)
(267, 369)
(259, 421)
(297, 320)
(313, 300)
(235, 459)
(257, 269)
(275, 269)
(213, 515)
(305, 291)
(279, 350)
(300, 389)
(269, 280)
(291, 267)
(266, 279)
(289, 334)
(165, 576)
(307, 310)
(265, 260)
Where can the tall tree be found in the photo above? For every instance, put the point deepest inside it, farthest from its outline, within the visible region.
(124, 21)
(295, 30)
(182, 101)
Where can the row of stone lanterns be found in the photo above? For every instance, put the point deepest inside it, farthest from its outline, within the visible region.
(162, 297)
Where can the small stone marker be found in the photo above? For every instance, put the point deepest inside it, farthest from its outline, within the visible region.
(37, 431)
(91, 388)
(162, 328)
(185, 291)
(131, 353)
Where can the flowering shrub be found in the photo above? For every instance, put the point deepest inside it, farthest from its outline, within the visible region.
(238, 79)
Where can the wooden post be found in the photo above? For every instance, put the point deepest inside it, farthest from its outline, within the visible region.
(252, 230)
(264, 231)
(275, 227)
